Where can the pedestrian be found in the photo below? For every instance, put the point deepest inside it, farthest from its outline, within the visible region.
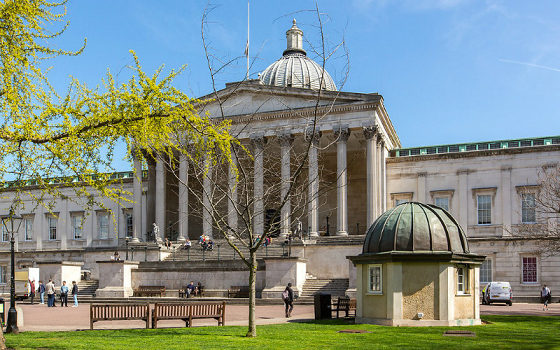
(50, 293)
(32, 290)
(75, 293)
(64, 294)
(41, 290)
(288, 297)
(546, 296)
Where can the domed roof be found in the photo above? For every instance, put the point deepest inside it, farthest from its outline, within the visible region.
(416, 227)
(295, 69)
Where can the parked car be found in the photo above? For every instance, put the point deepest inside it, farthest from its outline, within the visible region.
(497, 292)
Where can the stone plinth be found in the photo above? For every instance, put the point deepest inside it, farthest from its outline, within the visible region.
(280, 272)
(115, 278)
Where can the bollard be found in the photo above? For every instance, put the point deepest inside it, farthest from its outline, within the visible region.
(188, 255)
(146, 253)
(132, 252)
(203, 254)
(218, 252)
(174, 249)
(159, 253)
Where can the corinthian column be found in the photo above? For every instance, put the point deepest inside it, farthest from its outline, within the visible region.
(136, 198)
(160, 198)
(371, 174)
(183, 199)
(341, 134)
(258, 191)
(313, 211)
(285, 147)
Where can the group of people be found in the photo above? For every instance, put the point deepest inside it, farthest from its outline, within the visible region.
(194, 290)
(50, 290)
(205, 242)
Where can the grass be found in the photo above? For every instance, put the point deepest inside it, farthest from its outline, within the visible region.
(505, 332)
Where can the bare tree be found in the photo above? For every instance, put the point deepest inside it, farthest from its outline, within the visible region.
(540, 212)
(246, 193)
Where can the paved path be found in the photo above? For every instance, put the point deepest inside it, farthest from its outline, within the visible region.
(41, 318)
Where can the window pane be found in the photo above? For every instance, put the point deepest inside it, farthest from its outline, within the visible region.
(484, 209)
(3, 274)
(375, 278)
(443, 202)
(460, 279)
(5, 237)
(77, 222)
(528, 207)
(52, 228)
(28, 226)
(486, 271)
(103, 226)
(530, 270)
(400, 201)
(129, 222)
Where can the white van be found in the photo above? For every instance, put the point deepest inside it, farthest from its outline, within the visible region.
(498, 292)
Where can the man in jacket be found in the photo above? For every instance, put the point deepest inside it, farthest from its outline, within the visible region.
(50, 293)
(75, 293)
(64, 294)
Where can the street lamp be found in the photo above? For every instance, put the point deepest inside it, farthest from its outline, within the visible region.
(11, 224)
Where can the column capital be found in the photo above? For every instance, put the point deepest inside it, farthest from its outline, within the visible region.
(285, 139)
(313, 135)
(258, 141)
(341, 133)
(370, 132)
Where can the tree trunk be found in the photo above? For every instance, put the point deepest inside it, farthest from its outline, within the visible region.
(252, 332)
(2, 339)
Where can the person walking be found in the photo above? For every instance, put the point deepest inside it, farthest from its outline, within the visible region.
(288, 297)
(64, 294)
(75, 293)
(32, 290)
(41, 290)
(546, 296)
(50, 293)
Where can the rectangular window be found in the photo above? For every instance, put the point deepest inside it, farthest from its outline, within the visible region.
(52, 228)
(77, 224)
(484, 209)
(103, 225)
(3, 274)
(129, 224)
(486, 271)
(462, 279)
(28, 228)
(400, 201)
(528, 208)
(530, 269)
(5, 236)
(374, 285)
(442, 202)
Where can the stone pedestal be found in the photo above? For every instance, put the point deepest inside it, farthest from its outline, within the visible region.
(280, 272)
(115, 278)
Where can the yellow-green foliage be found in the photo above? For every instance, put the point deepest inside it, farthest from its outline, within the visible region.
(44, 134)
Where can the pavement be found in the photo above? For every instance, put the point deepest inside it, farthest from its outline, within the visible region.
(39, 317)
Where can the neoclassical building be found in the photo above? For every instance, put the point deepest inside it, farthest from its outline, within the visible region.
(355, 169)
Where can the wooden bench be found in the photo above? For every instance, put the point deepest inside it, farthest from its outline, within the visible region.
(345, 305)
(187, 311)
(238, 292)
(113, 312)
(149, 291)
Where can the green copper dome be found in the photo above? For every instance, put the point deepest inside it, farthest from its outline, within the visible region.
(416, 227)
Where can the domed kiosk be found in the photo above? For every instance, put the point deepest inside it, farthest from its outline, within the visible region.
(416, 270)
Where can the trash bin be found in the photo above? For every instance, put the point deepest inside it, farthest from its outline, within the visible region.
(322, 302)
(2, 317)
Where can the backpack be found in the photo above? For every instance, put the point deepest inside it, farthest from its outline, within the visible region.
(285, 295)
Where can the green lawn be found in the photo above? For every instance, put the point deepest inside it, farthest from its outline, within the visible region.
(505, 332)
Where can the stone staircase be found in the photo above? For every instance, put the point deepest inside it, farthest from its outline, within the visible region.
(221, 251)
(87, 288)
(336, 287)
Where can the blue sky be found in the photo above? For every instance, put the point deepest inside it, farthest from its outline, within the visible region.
(450, 71)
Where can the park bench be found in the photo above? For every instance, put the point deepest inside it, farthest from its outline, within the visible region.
(113, 312)
(187, 311)
(183, 292)
(238, 292)
(345, 305)
(149, 291)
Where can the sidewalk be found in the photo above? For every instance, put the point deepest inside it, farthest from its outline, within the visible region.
(42, 318)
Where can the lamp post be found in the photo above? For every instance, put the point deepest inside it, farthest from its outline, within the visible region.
(11, 223)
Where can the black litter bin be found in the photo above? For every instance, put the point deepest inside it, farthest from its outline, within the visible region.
(2, 317)
(322, 302)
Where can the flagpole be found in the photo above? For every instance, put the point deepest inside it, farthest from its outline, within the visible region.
(247, 51)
